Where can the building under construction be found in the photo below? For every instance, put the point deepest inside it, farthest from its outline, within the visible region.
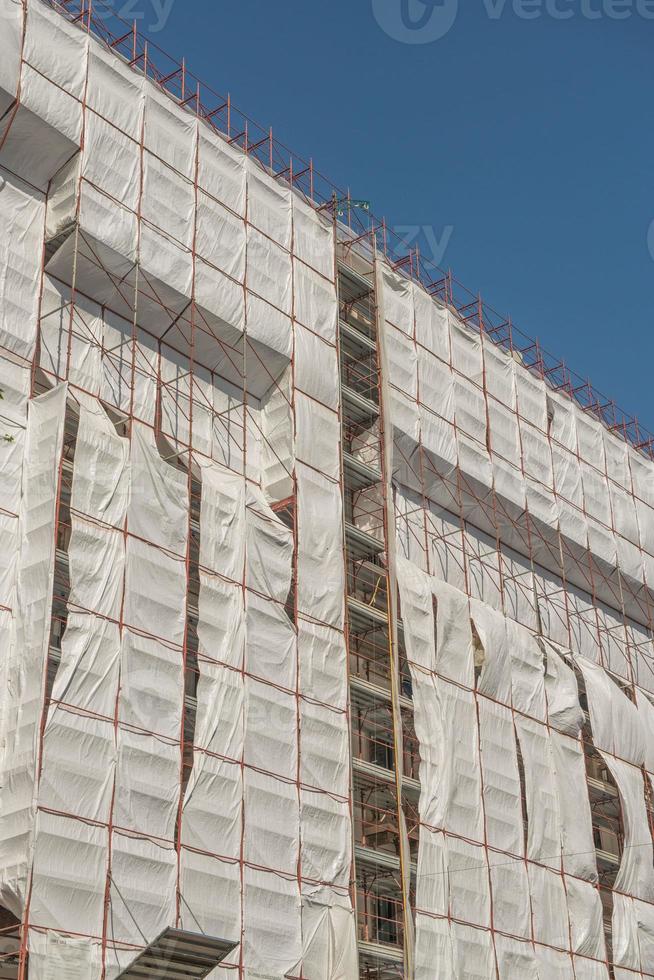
(326, 595)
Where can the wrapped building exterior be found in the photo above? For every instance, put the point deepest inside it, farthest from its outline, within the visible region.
(326, 598)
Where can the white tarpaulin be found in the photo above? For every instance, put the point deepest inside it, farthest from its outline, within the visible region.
(469, 770)
(185, 759)
(328, 928)
(79, 750)
(11, 34)
(615, 721)
(146, 795)
(15, 386)
(27, 655)
(22, 215)
(451, 794)
(320, 552)
(254, 721)
(52, 77)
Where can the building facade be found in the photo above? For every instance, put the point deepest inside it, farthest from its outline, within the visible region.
(326, 597)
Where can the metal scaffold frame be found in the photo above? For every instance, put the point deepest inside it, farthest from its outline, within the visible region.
(218, 111)
(138, 357)
(339, 430)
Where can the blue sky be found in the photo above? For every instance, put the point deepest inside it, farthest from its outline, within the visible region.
(532, 139)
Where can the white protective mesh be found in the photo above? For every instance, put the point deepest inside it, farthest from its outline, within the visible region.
(176, 719)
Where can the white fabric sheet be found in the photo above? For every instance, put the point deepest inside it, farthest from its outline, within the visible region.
(12, 20)
(79, 752)
(22, 215)
(27, 657)
(320, 573)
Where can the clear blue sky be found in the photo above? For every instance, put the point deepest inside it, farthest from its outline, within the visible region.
(533, 138)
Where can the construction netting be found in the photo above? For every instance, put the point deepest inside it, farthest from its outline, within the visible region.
(182, 493)
(186, 319)
(523, 527)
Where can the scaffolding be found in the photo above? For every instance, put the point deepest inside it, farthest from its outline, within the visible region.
(325, 591)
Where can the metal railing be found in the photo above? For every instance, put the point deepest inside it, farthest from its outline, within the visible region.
(258, 142)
